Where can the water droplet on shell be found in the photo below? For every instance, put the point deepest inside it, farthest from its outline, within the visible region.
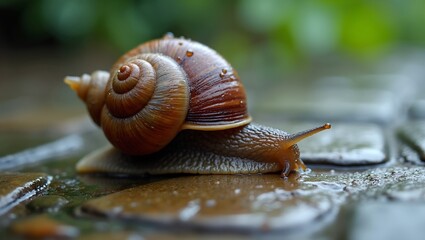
(189, 53)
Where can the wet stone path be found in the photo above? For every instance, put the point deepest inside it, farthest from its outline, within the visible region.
(366, 176)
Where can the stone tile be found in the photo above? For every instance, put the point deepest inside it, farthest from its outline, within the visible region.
(217, 202)
(346, 144)
(413, 134)
(387, 221)
(18, 187)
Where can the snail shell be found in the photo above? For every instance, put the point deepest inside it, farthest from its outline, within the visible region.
(158, 89)
(164, 86)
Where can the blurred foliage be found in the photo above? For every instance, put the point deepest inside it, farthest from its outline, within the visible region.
(286, 31)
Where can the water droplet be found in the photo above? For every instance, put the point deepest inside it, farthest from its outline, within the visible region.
(237, 191)
(223, 72)
(168, 35)
(241, 102)
(218, 182)
(189, 53)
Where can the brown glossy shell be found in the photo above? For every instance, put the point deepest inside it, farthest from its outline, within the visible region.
(217, 96)
(167, 85)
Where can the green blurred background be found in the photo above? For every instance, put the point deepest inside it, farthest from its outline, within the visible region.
(269, 41)
(289, 31)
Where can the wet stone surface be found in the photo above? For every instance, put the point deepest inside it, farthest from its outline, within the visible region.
(47, 203)
(42, 227)
(377, 220)
(347, 144)
(367, 169)
(18, 187)
(413, 133)
(222, 202)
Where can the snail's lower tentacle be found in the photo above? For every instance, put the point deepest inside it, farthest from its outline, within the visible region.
(286, 169)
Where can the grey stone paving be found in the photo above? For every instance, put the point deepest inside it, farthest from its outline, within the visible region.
(347, 144)
(413, 134)
(387, 221)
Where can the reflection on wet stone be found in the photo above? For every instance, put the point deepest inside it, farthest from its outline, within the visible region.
(18, 187)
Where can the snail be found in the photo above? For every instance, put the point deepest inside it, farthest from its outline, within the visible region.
(173, 105)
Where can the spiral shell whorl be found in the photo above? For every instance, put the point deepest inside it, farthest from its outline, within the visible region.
(146, 104)
(125, 97)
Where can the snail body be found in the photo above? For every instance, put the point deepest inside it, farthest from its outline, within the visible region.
(176, 106)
